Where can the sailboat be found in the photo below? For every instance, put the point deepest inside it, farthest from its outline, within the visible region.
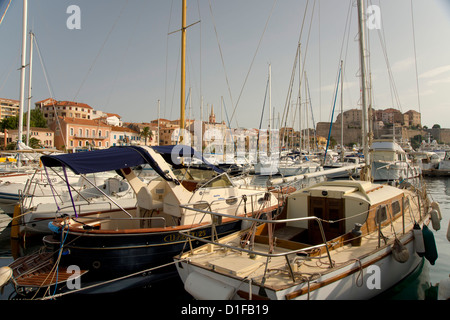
(334, 240)
(122, 248)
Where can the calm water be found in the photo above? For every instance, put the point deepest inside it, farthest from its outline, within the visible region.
(419, 286)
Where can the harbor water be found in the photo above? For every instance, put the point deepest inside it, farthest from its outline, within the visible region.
(421, 285)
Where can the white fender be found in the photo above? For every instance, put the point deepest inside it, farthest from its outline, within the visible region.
(435, 221)
(5, 275)
(436, 206)
(419, 245)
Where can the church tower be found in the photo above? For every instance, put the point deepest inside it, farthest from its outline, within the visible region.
(212, 116)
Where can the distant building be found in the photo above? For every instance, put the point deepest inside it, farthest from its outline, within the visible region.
(124, 136)
(72, 134)
(9, 108)
(44, 135)
(414, 118)
(50, 109)
(109, 118)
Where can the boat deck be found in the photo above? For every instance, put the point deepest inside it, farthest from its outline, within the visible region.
(274, 272)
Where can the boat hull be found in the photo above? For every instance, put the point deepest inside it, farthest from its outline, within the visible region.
(377, 272)
(382, 171)
(110, 256)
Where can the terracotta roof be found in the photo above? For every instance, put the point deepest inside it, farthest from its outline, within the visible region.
(10, 100)
(123, 129)
(89, 122)
(51, 101)
(113, 114)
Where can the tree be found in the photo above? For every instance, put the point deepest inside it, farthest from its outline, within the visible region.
(34, 143)
(146, 133)
(436, 126)
(37, 120)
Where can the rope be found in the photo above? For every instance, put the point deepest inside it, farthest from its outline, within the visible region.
(110, 281)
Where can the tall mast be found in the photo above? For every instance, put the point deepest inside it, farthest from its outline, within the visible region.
(365, 120)
(22, 71)
(159, 117)
(29, 87)
(183, 68)
(342, 110)
(270, 97)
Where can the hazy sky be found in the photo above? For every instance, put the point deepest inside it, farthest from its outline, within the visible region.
(123, 59)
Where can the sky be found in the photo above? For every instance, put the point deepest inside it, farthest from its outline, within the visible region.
(125, 57)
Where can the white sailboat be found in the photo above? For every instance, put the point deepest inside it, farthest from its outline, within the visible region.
(327, 244)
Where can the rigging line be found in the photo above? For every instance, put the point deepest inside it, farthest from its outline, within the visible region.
(346, 29)
(221, 55)
(254, 57)
(49, 87)
(288, 96)
(101, 49)
(415, 54)
(393, 87)
(125, 53)
(17, 59)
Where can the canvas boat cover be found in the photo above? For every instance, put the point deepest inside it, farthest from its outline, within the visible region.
(120, 157)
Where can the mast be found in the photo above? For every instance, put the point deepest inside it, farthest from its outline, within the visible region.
(365, 120)
(183, 68)
(22, 73)
(159, 117)
(342, 111)
(270, 97)
(29, 88)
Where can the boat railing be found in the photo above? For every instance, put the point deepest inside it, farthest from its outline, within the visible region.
(269, 254)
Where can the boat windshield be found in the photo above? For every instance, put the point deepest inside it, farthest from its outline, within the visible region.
(219, 182)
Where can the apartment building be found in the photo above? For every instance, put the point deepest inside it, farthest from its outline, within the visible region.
(8, 108)
(72, 134)
(51, 109)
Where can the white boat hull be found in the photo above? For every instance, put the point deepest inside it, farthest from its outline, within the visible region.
(380, 272)
(382, 171)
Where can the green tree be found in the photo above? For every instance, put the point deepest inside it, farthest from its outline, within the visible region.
(146, 133)
(436, 126)
(37, 120)
(34, 143)
(9, 123)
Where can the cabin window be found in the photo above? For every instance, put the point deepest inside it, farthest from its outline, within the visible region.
(395, 207)
(231, 201)
(201, 205)
(381, 215)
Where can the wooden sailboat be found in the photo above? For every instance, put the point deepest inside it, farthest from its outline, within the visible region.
(138, 243)
(120, 248)
(334, 240)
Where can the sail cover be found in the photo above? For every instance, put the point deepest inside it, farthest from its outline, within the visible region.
(114, 158)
